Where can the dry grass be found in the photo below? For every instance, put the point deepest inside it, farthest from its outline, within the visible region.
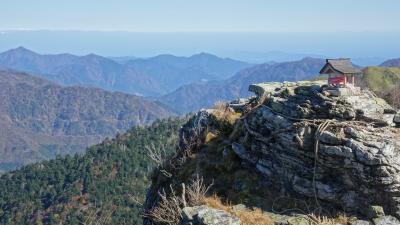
(210, 136)
(342, 219)
(323, 220)
(247, 216)
(223, 112)
(255, 216)
(319, 220)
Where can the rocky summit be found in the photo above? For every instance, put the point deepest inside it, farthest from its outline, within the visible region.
(343, 151)
(325, 154)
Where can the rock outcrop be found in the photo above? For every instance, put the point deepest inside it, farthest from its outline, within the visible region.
(324, 147)
(339, 153)
(203, 215)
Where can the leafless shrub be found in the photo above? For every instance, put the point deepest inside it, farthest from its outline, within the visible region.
(160, 157)
(168, 211)
(189, 142)
(157, 155)
(197, 190)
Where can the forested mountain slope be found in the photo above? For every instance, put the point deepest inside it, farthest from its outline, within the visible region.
(39, 119)
(104, 185)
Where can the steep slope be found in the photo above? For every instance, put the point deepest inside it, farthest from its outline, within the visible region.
(173, 72)
(90, 70)
(384, 81)
(40, 119)
(103, 186)
(200, 95)
(380, 79)
(391, 63)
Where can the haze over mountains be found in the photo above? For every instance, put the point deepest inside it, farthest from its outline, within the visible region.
(39, 119)
(391, 63)
(150, 77)
(172, 72)
(181, 82)
(200, 95)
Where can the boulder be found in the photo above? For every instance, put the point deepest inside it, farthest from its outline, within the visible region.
(203, 215)
(359, 222)
(396, 119)
(287, 219)
(375, 212)
(386, 220)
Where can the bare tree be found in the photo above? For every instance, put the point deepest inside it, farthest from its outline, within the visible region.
(157, 155)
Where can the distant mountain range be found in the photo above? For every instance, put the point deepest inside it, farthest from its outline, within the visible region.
(172, 72)
(391, 63)
(199, 95)
(149, 77)
(39, 119)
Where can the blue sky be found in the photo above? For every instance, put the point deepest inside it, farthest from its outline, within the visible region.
(202, 15)
(242, 29)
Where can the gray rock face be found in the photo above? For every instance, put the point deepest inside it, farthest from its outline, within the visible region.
(359, 222)
(386, 220)
(203, 215)
(356, 164)
(314, 147)
(375, 212)
(288, 220)
(396, 119)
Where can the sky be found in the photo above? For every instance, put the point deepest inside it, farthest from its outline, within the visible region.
(248, 30)
(202, 15)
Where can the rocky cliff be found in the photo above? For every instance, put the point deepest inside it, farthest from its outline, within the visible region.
(294, 149)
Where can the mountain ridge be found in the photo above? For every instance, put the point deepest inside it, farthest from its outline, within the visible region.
(46, 119)
(203, 94)
(148, 76)
(391, 63)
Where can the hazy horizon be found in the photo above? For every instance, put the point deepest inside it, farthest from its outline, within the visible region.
(254, 47)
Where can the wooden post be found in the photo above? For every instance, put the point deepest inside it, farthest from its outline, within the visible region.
(352, 79)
